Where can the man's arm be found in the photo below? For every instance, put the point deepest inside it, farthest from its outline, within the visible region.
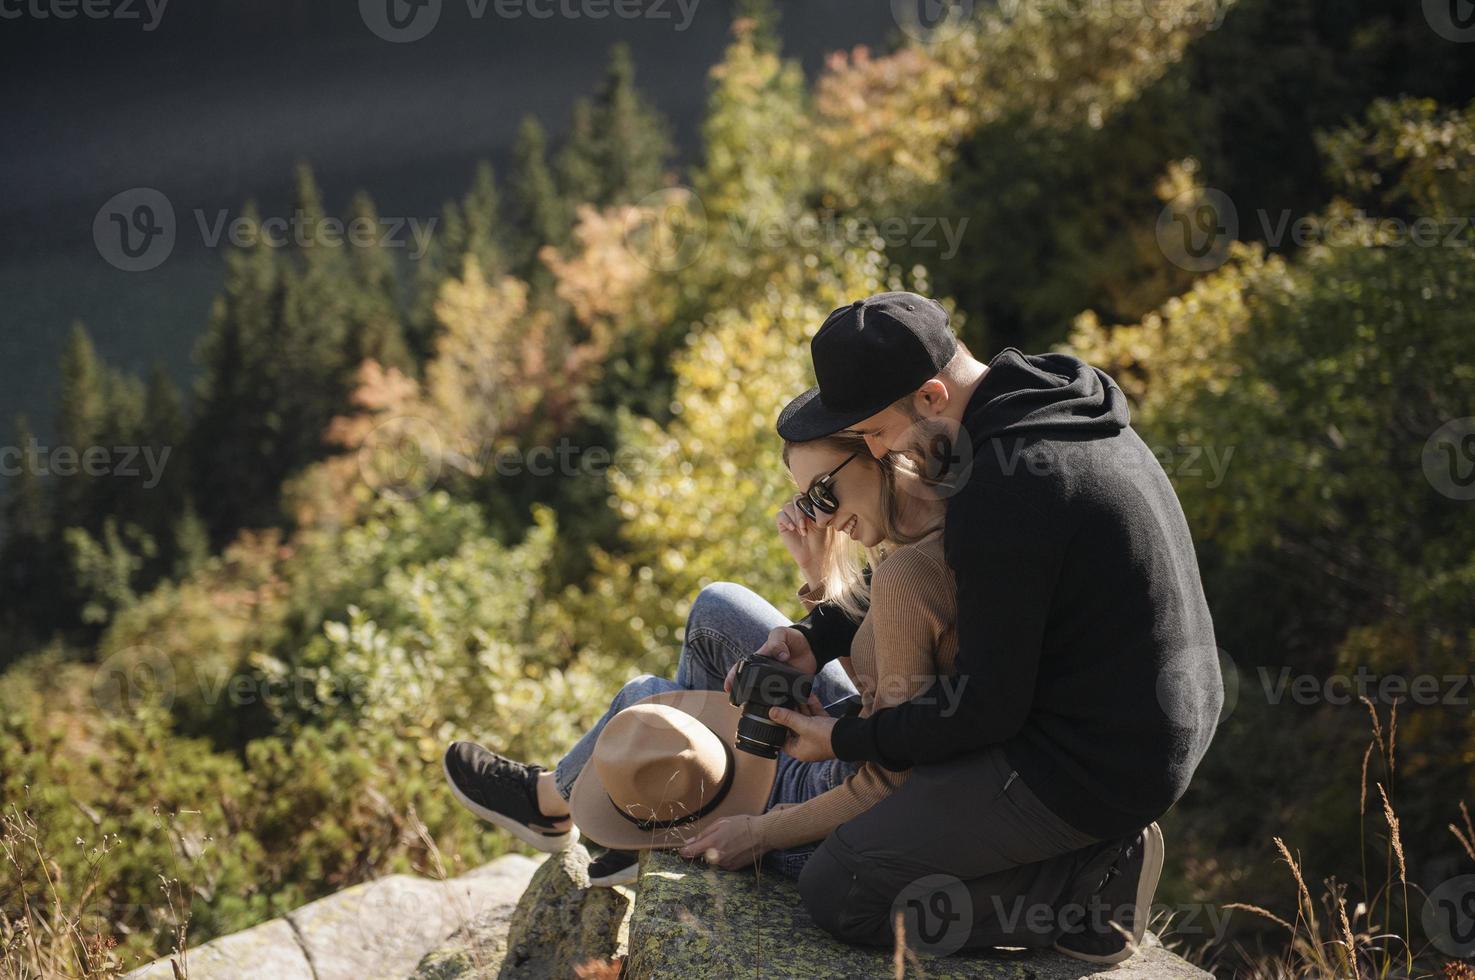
(829, 631)
(1006, 543)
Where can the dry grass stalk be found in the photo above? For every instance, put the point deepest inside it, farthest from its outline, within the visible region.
(1467, 836)
(1395, 836)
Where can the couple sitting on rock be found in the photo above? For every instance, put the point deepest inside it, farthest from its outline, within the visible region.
(999, 576)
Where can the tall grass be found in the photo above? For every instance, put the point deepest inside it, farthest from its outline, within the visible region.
(62, 929)
(1373, 940)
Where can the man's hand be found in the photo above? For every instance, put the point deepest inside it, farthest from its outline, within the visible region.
(786, 645)
(730, 843)
(810, 738)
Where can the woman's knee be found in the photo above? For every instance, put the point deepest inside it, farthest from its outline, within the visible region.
(714, 601)
(642, 687)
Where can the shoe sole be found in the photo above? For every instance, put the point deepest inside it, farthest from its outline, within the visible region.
(627, 876)
(1152, 871)
(550, 844)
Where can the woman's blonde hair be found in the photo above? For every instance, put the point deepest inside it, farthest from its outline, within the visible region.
(843, 581)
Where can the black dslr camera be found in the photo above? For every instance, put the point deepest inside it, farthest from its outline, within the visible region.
(759, 684)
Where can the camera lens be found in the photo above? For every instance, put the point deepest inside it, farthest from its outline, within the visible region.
(760, 737)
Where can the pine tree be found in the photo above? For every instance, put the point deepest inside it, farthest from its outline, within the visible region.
(539, 215)
(618, 146)
(29, 592)
(234, 412)
(277, 369)
(374, 328)
(79, 419)
(637, 139)
(25, 501)
(119, 493)
(164, 478)
(481, 228)
(191, 541)
(580, 175)
(764, 15)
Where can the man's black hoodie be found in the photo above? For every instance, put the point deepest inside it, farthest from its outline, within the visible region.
(1085, 646)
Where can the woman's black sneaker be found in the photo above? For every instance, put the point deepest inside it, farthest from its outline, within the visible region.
(614, 868)
(505, 793)
(1114, 913)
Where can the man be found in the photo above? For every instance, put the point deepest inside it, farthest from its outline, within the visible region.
(1087, 682)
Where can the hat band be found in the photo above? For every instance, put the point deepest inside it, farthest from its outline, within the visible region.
(690, 817)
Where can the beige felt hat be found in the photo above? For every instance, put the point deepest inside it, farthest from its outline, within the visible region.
(663, 769)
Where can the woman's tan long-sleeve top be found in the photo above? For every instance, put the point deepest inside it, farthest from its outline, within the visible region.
(908, 637)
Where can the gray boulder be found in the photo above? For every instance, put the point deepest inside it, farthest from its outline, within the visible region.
(380, 928)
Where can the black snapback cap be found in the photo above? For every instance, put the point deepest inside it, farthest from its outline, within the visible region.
(866, 356)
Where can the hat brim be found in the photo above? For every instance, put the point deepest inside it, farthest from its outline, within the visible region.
(806, 418)
(600, 820)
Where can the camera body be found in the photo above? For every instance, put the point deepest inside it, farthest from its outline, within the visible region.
(759, 684)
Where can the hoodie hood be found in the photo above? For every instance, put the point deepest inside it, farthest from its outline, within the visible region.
(1054, 393)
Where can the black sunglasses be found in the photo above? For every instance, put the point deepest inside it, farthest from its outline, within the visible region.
(821, 495)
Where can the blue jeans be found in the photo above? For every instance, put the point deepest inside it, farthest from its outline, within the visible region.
(726, 623)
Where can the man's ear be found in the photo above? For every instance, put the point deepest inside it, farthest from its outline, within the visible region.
(931, 398)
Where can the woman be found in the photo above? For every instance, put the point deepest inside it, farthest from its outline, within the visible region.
(853, 511)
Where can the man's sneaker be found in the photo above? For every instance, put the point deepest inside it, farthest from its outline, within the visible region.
(1116, 909)
(505, 793)
(614, 868)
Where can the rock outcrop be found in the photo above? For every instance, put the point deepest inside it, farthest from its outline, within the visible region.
(680, 920)
(692, 921)
(560, 926)
(381, 928)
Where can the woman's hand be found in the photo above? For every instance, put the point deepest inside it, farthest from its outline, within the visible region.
(730, 843)
(806, 541)
(786, 645)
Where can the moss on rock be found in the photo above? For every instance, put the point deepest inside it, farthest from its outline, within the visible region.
(691, 920)
(559, 923)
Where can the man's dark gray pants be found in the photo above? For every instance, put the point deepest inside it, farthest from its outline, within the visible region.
(968, 854)
(964, 850)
